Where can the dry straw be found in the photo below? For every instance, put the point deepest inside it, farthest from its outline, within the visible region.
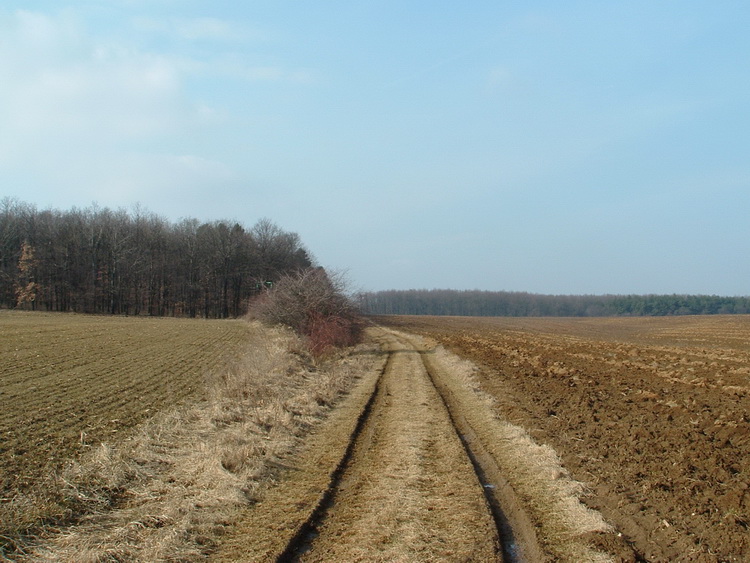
(172, 489)
(550, 495)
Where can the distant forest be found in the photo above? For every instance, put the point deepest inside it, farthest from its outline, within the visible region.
(518, 304)
(98, 260)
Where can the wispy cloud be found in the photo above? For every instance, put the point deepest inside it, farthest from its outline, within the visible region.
(233, 55)
(235, 67)
(163, 178)
(500, 78)
(93, 114)
(66, 88)
(202, 29)
(64, 79)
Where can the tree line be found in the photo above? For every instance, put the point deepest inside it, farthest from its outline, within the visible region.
(521, 304)
(99, 260)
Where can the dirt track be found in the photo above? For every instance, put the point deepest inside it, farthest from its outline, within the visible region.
(650, 413)
(410, 468)
(409, 490)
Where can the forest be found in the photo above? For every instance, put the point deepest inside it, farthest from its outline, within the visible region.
(521, 304)
(99, 260)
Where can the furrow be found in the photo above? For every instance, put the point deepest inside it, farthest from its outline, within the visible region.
(514, 527)
(300, 542)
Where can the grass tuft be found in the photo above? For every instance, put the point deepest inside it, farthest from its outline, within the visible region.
(173, 488)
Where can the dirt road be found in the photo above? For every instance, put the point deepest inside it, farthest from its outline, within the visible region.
(409, 490)
(651, 413)
(412, 467)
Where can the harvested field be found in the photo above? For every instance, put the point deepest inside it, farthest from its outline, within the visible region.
(182, 480)
(651, 414)
(70, 382)
(425, 457)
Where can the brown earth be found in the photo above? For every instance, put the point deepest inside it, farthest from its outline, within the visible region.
(409, 468)
(652, 414)
(181, 479)
(70, 382)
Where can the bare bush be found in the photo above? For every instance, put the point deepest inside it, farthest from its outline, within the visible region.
(314, 304)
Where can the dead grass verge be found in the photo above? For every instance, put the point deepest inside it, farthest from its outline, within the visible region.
(549, 494)
(176, 485)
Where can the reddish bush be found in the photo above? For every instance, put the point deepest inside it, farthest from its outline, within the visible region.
(332, 331)
(315, 306)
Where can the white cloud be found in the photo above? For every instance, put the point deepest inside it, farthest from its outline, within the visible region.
(500, 78)
(142, 177)
(89, 115)
(171, 185)
(213, 29)
(83, 114)
(116, 179)
(38, 31)
(62, 82)
(268, 73)
(69, 86)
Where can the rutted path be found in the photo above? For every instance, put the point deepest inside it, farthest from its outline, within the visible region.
(409, 489)
(405, 470)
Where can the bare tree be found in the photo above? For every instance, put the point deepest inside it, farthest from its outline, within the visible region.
(97, 260)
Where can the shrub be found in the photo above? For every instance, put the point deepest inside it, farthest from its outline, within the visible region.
(314, 304)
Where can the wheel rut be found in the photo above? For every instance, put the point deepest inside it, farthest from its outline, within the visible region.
(415, 483)
(411, 480)
(304, 537)
(515, 529)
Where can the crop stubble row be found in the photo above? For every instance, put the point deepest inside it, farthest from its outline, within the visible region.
(70, 381)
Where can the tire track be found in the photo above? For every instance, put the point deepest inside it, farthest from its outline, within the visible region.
(305, 535)
(341, 524)
(514, 527)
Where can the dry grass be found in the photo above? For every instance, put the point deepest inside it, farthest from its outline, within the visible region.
(550, 495)
(70, 382)
(407, 493)
(173, 487)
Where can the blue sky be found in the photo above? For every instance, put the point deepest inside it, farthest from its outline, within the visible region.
(551, 147)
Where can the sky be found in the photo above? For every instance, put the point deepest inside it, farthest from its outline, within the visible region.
(578, 147)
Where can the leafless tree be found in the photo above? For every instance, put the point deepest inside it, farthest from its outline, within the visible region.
(97, 260)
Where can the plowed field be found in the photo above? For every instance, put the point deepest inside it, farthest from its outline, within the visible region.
(651, 414)
(69, 382)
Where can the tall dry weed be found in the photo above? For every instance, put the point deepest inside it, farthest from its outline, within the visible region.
(171, 490)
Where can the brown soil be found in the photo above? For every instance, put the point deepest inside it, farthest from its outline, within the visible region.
(172, 488)
(70, 382)
(410, 467)
(406, 491)
(651, 414)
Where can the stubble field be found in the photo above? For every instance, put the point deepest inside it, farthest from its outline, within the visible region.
(651, 414)
(71, 382)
